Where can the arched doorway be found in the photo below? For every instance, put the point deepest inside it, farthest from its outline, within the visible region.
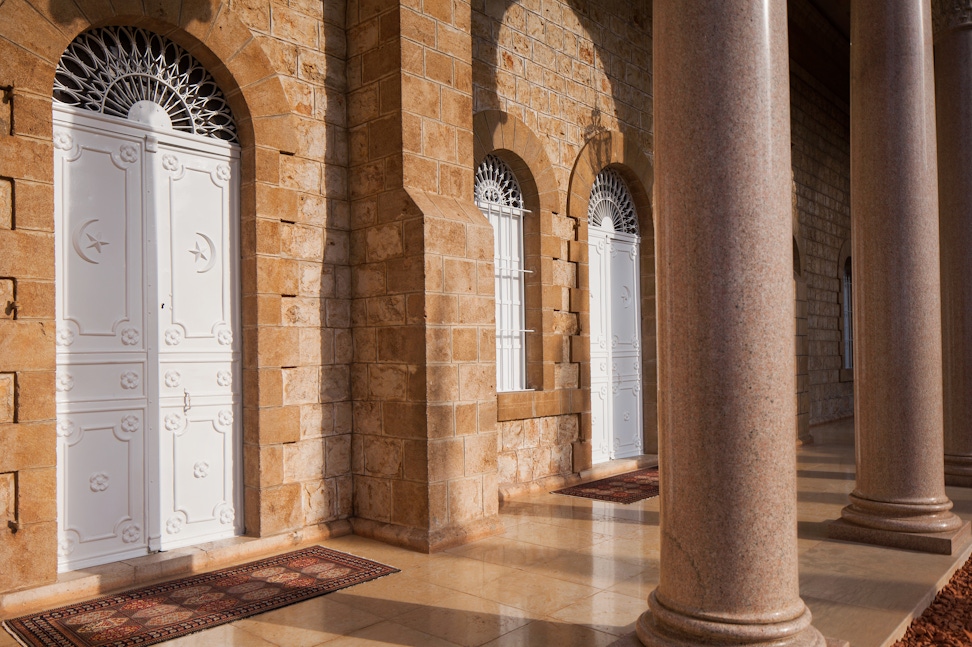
(616, 389)
(148, 341)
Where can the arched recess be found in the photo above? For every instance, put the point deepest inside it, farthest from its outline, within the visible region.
(610, 149)
(845, 320)
(505, 136)
(801, 336)
(266, 127)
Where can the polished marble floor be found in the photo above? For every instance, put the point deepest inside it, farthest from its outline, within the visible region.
(571, 571)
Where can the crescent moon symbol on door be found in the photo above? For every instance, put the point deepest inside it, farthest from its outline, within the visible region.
(201, 254)
(96, 242)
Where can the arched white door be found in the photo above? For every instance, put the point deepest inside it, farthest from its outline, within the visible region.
(616, 407)
(148, 344)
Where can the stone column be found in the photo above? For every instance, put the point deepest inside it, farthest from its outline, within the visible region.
(953, 103)
(725, 329)
(900, 495)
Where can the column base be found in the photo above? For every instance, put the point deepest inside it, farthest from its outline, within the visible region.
(941, 543)
(662, 627)
(958, 470)
(958, 480)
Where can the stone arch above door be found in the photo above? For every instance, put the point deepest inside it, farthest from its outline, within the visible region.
(208, 29)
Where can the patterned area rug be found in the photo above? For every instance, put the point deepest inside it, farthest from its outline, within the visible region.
(624, 488)
(152, 614)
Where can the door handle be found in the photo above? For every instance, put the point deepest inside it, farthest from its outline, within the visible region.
(186, 401)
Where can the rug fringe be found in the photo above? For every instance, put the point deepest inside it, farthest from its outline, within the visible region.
(10, 631)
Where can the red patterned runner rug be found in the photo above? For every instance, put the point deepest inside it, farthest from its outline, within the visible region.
(624, 488)
(153, 614)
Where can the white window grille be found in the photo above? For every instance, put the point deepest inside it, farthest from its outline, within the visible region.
(848, 316)
(499, 197)
(113, 70)
(611, 204)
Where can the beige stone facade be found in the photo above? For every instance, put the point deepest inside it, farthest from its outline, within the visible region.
(367, 290)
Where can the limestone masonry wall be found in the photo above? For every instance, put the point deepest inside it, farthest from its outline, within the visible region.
(567, 72)
(302, 305)
(821, 165)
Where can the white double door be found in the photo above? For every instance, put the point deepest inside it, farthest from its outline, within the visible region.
(616, 405)
(148, 359)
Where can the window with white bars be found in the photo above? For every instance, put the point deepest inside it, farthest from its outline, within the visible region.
(848, 316)
(499, 197)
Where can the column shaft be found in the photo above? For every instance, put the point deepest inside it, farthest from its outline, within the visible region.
(899, 499)
(953, 103)
(725, 329)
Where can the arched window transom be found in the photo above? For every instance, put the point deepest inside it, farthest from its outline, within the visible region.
(611, 205)
(496, 184)
(499, 197)
(134, 73)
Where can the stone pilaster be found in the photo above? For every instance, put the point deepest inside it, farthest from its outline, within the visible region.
(423, 380)
(953, 104)
(725, 330)
(900, 495)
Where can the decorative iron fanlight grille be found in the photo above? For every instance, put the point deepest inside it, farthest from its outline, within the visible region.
(110, 69)
(611, 199)
(496, 184)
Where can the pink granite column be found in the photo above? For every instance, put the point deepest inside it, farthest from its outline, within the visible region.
(725, 329)
(953, 102)
(900, 496)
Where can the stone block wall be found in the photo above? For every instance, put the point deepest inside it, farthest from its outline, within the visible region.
(821, 165)
(298, 454)
(423, 379)
(551, 77)
(28, 537)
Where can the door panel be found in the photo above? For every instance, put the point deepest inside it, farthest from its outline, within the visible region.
(195, 203)
(600, 275)
(626, 347)
(100, 394)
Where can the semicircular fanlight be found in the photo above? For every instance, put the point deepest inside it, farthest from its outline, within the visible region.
(611, 201)
(496, 184)
(111, 69)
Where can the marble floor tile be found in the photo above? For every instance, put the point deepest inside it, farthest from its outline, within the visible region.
(461, 573)
(607, 611)
(639, 586)
(554, 536)
(6, 640)
(506, 552)
(552, 632)
(466, 620)
(599, 572)
(860, 626)
(388, 634)
(222, 636)
(308, 623)
(536, 593)
(393, 596)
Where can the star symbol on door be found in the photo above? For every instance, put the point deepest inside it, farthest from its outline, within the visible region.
(199, 252)
(95, 242)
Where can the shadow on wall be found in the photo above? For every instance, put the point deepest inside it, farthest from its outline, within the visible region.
(588, 102)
